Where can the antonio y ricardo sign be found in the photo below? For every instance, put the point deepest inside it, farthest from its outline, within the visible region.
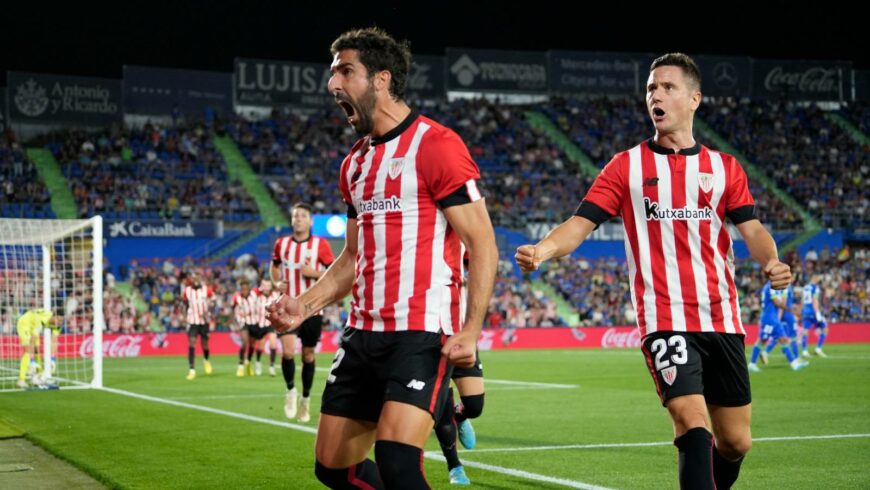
(38, 98)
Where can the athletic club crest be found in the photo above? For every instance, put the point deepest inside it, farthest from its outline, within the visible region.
(706, 182)
(669, 374)
(395, 167)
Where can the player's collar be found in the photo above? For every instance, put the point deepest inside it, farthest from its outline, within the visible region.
(655, 147)
(293, 237)
(395, 132)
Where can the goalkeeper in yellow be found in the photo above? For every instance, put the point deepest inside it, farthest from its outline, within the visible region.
(30, 327)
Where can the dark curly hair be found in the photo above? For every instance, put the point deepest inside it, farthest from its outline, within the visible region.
(378, 51)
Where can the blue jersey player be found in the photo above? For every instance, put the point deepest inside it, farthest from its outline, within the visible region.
(773, 302)
(789, 320)
(812, 317)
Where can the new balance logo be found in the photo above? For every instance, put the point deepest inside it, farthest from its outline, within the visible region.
(416, 385)
(651, 182)
(654, 213)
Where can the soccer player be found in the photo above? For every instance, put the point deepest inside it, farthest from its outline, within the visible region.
(29, 328)
(410, 187)
(198, 298)
(454, 422)
(812, 316)
(268, 293)
(298, 261)
(247, 311)
(673, 195)
(771, 330)
(789, 319)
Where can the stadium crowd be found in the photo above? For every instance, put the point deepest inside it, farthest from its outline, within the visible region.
(813, 160)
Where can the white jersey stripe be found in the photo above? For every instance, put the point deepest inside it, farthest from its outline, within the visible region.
(672, 267)
(716, 227)
(362, 263)
(704, 313)
(437, 314)
(379, 220)
(635, 182)
(408, 271)
(473, 192)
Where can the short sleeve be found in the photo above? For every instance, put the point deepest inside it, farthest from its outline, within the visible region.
(444, 162)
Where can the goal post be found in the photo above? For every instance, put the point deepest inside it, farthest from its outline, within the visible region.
(57, 266)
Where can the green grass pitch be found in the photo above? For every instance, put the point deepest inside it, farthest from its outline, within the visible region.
(553, 419)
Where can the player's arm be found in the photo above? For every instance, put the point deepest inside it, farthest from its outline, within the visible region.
(762, 248)
(288, 313)
(472, 224)
(561, 240)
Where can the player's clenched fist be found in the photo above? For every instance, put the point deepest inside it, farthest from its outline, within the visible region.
(778, 273)
(527, 258)
(285, 314)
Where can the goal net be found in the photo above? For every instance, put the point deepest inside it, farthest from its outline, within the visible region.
(53, 265)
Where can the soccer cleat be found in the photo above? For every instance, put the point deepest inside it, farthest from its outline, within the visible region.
(763, 356)
(240, 371)
(819, 352)
(290, 404)
(258, 370)
(207, 366)
(305, 409)
(249, 368)
(272, 371)
(753, 368)
(466, 435)
(191, 375)
(799, 364)
(458, 476)
(806, 354)
(21, 384)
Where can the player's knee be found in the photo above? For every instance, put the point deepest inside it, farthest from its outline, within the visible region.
(399, 465)
(734, 447)
(308, 357)
(472, 406)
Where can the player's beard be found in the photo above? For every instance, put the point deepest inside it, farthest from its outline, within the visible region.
(363, 109)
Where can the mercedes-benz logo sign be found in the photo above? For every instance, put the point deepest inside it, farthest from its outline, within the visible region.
(725, 75)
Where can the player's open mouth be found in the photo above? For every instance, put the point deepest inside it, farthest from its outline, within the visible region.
(658, 113)
(348, 109)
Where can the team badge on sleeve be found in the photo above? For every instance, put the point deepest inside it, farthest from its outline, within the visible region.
(669, 374)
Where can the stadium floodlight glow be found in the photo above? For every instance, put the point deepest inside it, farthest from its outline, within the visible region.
(53, 265)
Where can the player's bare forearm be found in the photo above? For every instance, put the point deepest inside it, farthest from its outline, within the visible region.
(472, 224)
(561, 240)
(275, 273)
(762, 248)
(332, 286)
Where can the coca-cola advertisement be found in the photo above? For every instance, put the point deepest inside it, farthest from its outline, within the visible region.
(222, 343)
(802, 80)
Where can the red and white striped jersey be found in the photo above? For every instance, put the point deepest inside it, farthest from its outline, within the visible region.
(265, 301)
(291, 255)
(248, 309)
(679, 252)
(407, 272)
(197, 303)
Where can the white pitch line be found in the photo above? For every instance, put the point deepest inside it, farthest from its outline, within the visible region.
(648, 444)
(521, 474)
(302, 428)
(250, 418)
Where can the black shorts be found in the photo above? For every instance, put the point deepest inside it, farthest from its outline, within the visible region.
(257, 332)
(371, 368)
(309, 331)
(201, 330)
(696, 363)
(475, 371)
